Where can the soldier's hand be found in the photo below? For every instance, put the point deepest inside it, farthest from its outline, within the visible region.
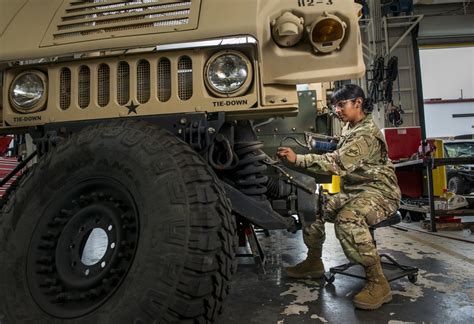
(287, 154)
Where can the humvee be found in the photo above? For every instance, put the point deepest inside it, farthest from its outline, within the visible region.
(142, 117)
(460, 177)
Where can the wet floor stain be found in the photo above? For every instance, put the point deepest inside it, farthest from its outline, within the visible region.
(444, 292)
(321, 319)
(446, 274)
(302, 292)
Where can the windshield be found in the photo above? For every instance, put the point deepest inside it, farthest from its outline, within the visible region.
(461, 149)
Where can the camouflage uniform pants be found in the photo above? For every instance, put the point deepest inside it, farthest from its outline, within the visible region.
(351, 216)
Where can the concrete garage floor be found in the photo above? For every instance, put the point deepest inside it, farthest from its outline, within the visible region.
(444, 292)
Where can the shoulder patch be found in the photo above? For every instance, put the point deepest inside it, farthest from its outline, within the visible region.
(353, 154)
(354, 151)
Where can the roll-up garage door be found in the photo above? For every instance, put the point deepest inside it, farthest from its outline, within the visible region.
(446, 30)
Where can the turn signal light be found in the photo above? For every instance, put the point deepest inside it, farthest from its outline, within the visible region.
(327, 33)
(327, 30)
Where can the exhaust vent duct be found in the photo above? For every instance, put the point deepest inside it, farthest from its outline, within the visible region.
(88, 20)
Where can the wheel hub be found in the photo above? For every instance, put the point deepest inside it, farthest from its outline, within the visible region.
(82, 248)
(75, 264)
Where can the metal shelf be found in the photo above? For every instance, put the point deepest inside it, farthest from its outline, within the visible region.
(429, 164)
(434, 162)
(409, 163)
(439, 212)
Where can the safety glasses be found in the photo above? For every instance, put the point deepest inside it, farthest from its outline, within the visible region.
(341, 103)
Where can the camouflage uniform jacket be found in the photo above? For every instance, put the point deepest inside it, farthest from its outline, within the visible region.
(361, 160)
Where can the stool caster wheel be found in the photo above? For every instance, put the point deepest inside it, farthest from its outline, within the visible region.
(413, 277)
(329, 277)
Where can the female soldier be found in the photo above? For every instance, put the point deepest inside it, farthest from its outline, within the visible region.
(369, 194)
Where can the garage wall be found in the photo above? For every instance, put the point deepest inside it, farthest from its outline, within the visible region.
(407, 77)
(449, 118)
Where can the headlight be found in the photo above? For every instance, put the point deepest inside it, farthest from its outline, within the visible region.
(28, 91)
(228, 73)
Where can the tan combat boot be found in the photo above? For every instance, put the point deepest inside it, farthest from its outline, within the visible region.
(312, 267)
(376, 292)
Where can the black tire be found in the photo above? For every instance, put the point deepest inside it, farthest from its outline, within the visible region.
(169, 234)
(329, 277)
(457, 185)
(413, 278)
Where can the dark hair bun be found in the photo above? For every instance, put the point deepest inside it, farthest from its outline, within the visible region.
(368, 105)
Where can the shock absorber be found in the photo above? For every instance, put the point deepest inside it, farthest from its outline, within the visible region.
(248, 175)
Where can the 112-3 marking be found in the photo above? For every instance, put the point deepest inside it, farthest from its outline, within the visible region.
(311, 3)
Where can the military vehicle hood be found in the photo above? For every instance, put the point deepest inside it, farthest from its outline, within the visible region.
(34, 29)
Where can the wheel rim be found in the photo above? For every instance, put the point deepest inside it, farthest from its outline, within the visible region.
(67, 277)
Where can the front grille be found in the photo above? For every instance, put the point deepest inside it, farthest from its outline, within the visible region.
(106, 17)
(164, 80)
(123, 83)
(143, 81)
(103, 85)
(65, 88)
(126, 81)
(185, 78)
(84, 86)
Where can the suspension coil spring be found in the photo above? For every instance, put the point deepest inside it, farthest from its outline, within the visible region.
(248, 174)
(273, 188)
(278, 188)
